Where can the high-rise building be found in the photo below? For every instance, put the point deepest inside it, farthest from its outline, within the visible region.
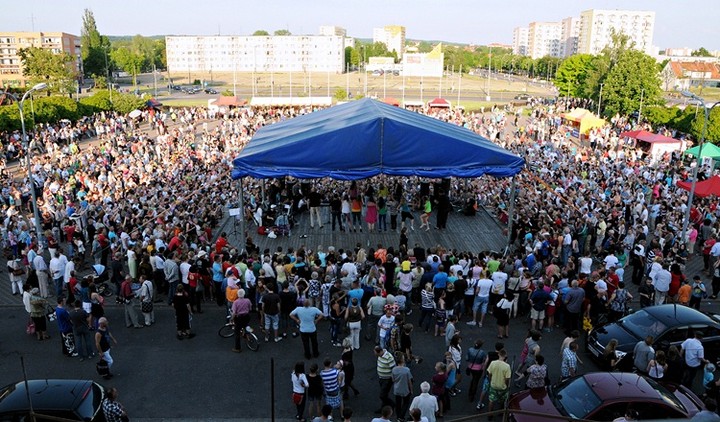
(544, 39)
(11, 72)
(569, 37)
(393, 36)
(332, 30)
(597, 26)
(302, 53)
(520, 41)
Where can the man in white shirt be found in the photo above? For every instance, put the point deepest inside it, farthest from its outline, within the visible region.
(427, 403)
(57, 271)
(694, 354)
(482, 299)
(499, 280)
(41, 270)
(586, 264)
(351, 269)
(661, 282)
(385, 323)
(610, 261)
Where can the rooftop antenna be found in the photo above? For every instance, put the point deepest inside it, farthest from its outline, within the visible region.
(32, 22)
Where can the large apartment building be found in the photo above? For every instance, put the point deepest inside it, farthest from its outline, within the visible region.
(520, 41)
(597, 26)
(11, 72)
(545, 39)
(291, 53)
(590, 33)
(393, 36)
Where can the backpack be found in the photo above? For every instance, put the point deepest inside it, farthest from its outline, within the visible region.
(391, 334)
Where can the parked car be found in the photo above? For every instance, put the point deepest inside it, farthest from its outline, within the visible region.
(210, 91)
(668, 324)
(79, 400)
(604, 396)
(522, 97)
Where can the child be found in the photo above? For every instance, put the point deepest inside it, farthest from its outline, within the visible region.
(698, 292)
(437, 388)
(315, 390)
(709, 380)
(684, 293)
(440, 316)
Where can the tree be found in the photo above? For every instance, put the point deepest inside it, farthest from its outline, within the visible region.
(701, 52)
(632, 79)
(571, 74)
(92, 46)
(261, 33)
(42, 65)
(713, 126)
(282, 32)
(129, 60)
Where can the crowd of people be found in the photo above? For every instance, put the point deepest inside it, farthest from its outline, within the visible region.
(141, 205)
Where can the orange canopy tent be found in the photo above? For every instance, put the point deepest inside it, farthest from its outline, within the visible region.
(392, 101)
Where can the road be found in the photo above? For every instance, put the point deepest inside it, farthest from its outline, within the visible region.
(162, 377)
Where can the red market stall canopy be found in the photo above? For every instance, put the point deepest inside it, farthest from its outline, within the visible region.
(230, 101)
(705, 188)
(439, 102)
(643, 135)
(364, 138)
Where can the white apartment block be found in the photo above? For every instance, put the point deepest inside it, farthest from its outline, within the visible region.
(332, 30)
(393, 36)
(520, 41)
(302, 53)
(596, 27)
(545, 39)
(570, 34)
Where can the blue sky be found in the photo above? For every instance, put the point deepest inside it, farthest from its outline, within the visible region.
(686, 23)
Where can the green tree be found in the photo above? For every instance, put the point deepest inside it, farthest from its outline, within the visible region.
(632, 79)
(42, 65)
(340, 94)
(713, 126)
(661, 115)
(129, 60)
(261, 33)
(355, 57)
(92, 46)
(424, 47)
(571, 74)
(282, 32)
(701, 52)
(159, 54)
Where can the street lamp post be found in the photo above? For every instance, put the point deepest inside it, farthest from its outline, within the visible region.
(701, 101)
(600, 100)
(26, 145)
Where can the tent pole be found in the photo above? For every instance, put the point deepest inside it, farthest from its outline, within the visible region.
(241, 205)
(263, 192)
(511, 212)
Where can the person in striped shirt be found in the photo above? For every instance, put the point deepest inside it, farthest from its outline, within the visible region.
(331, 383)
(385, 365)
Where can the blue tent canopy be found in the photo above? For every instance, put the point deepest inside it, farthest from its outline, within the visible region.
(365, 138)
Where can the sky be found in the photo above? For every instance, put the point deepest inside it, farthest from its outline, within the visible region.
(678, 23)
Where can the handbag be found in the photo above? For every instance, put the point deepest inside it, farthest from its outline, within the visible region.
(30, 327)
(102, 368)
(19, 271)
(146, 307)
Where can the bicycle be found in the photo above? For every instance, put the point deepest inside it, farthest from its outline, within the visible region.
(251, 340)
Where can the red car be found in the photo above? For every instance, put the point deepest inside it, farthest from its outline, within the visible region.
(604, 396)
